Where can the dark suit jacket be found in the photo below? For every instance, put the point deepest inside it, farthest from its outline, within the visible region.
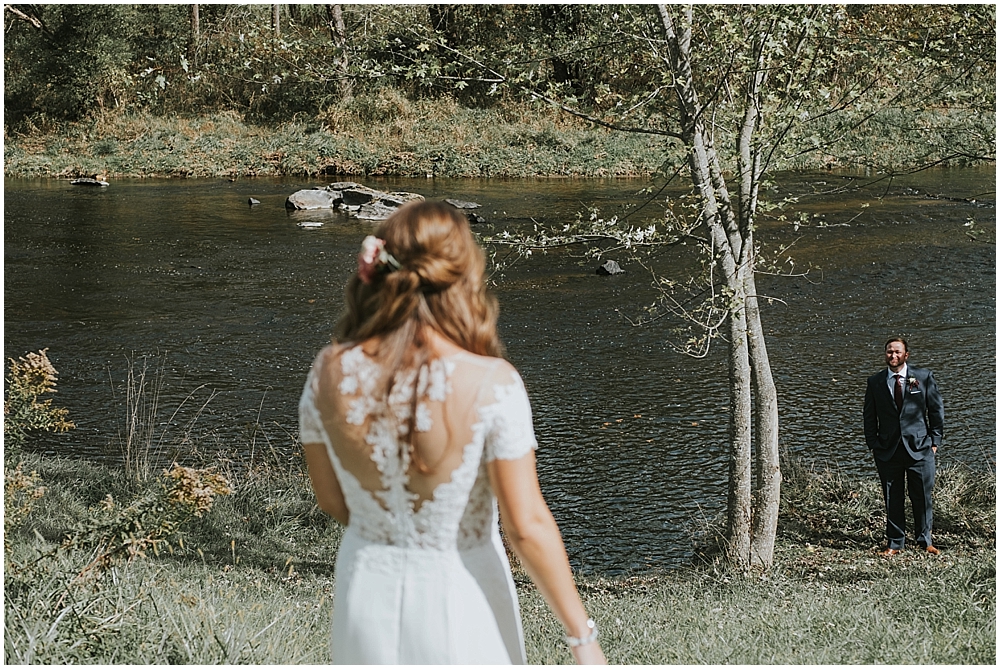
(919, 425)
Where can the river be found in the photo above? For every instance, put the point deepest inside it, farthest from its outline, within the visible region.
(233, 301)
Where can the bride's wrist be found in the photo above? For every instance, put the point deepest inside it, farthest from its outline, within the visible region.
(584, 634)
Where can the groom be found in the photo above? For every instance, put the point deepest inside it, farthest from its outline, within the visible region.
(904, 422)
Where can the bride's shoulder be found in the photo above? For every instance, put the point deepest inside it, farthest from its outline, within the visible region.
(490, 369)
(327, 358)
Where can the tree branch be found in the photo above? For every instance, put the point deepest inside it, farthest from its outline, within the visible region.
(33, 20)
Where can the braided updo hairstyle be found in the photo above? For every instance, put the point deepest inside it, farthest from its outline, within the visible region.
(439, 284)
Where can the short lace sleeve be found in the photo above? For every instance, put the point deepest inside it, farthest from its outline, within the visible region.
(310, 423)
(509, 432)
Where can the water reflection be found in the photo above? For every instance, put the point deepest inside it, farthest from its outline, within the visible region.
(633, 436)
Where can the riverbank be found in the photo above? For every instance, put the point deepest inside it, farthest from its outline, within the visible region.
(251, 580)
(390, 135)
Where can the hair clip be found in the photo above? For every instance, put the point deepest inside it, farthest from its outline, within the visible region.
(374, 257)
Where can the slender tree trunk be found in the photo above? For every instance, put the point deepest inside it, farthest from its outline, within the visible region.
(338, 35)
(195, 36)
(738, 517)
(442, 19)
(276, 20)
(767, 469)
(750, 526)
(556, 19)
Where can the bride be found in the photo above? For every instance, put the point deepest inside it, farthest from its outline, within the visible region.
(415, 431)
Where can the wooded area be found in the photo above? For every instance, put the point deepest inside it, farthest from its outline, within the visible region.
(271, 63)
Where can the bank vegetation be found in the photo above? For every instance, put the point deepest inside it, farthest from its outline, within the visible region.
(458, 90)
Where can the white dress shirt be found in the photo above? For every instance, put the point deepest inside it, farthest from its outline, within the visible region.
(892, 380)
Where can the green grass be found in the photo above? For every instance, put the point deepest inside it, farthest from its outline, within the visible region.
(252, 582)
(384, 133)
(818, 606)
(168, 610)
(399, 137)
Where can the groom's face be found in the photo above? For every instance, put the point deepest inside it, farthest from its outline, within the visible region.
(895, 355)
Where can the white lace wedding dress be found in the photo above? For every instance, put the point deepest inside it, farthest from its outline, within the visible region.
(421, 575)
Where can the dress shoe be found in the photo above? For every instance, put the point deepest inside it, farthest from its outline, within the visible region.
(931, 550)
(889, 551)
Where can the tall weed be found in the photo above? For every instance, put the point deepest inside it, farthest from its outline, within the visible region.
(140, 439)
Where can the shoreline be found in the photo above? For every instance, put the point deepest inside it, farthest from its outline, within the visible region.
(434, 140)
(477, 144)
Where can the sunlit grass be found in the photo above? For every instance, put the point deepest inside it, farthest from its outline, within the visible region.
(252, 581)
(168, 610)
(378, 134)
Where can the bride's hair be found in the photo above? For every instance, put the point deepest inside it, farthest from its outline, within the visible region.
(439, 284)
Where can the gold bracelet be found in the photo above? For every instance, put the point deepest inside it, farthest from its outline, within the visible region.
(575, 641)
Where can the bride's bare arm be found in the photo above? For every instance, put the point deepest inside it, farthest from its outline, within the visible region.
(329, 496)
(535, 538)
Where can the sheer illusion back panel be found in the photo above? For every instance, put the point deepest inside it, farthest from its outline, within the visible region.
(366, 431)
(465, 410)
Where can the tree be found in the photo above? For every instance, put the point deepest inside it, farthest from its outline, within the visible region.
(561, 24)
(751, 524)
(338, 35)
(195, 34)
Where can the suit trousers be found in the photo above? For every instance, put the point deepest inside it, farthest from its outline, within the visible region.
(898, 473)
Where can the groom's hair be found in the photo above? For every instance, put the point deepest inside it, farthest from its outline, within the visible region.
(906, 347)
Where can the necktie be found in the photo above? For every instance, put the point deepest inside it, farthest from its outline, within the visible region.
(897, 393)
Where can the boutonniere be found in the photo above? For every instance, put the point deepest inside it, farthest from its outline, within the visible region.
(914, 384)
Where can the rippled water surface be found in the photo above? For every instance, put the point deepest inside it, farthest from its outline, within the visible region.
(233, 302)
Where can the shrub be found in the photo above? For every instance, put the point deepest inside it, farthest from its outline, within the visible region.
(116, 531)
(29, 378)
(20, 492)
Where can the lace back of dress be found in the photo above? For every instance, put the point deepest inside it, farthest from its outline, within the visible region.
(465, 410)
(371, 434)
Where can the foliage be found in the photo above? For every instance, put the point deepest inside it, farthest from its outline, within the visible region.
(838, 65)
(28, 378)
(20, 493)
(859, 67)
(111, 531)
(120, 588)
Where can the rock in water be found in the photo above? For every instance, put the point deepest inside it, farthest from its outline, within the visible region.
(398, 198)
(359, 195)
(343, 185)
(311, 224)
(312, 198)
(374, 211)
(461, 204)
(252, 201)
(610, 268)
(87, 181)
